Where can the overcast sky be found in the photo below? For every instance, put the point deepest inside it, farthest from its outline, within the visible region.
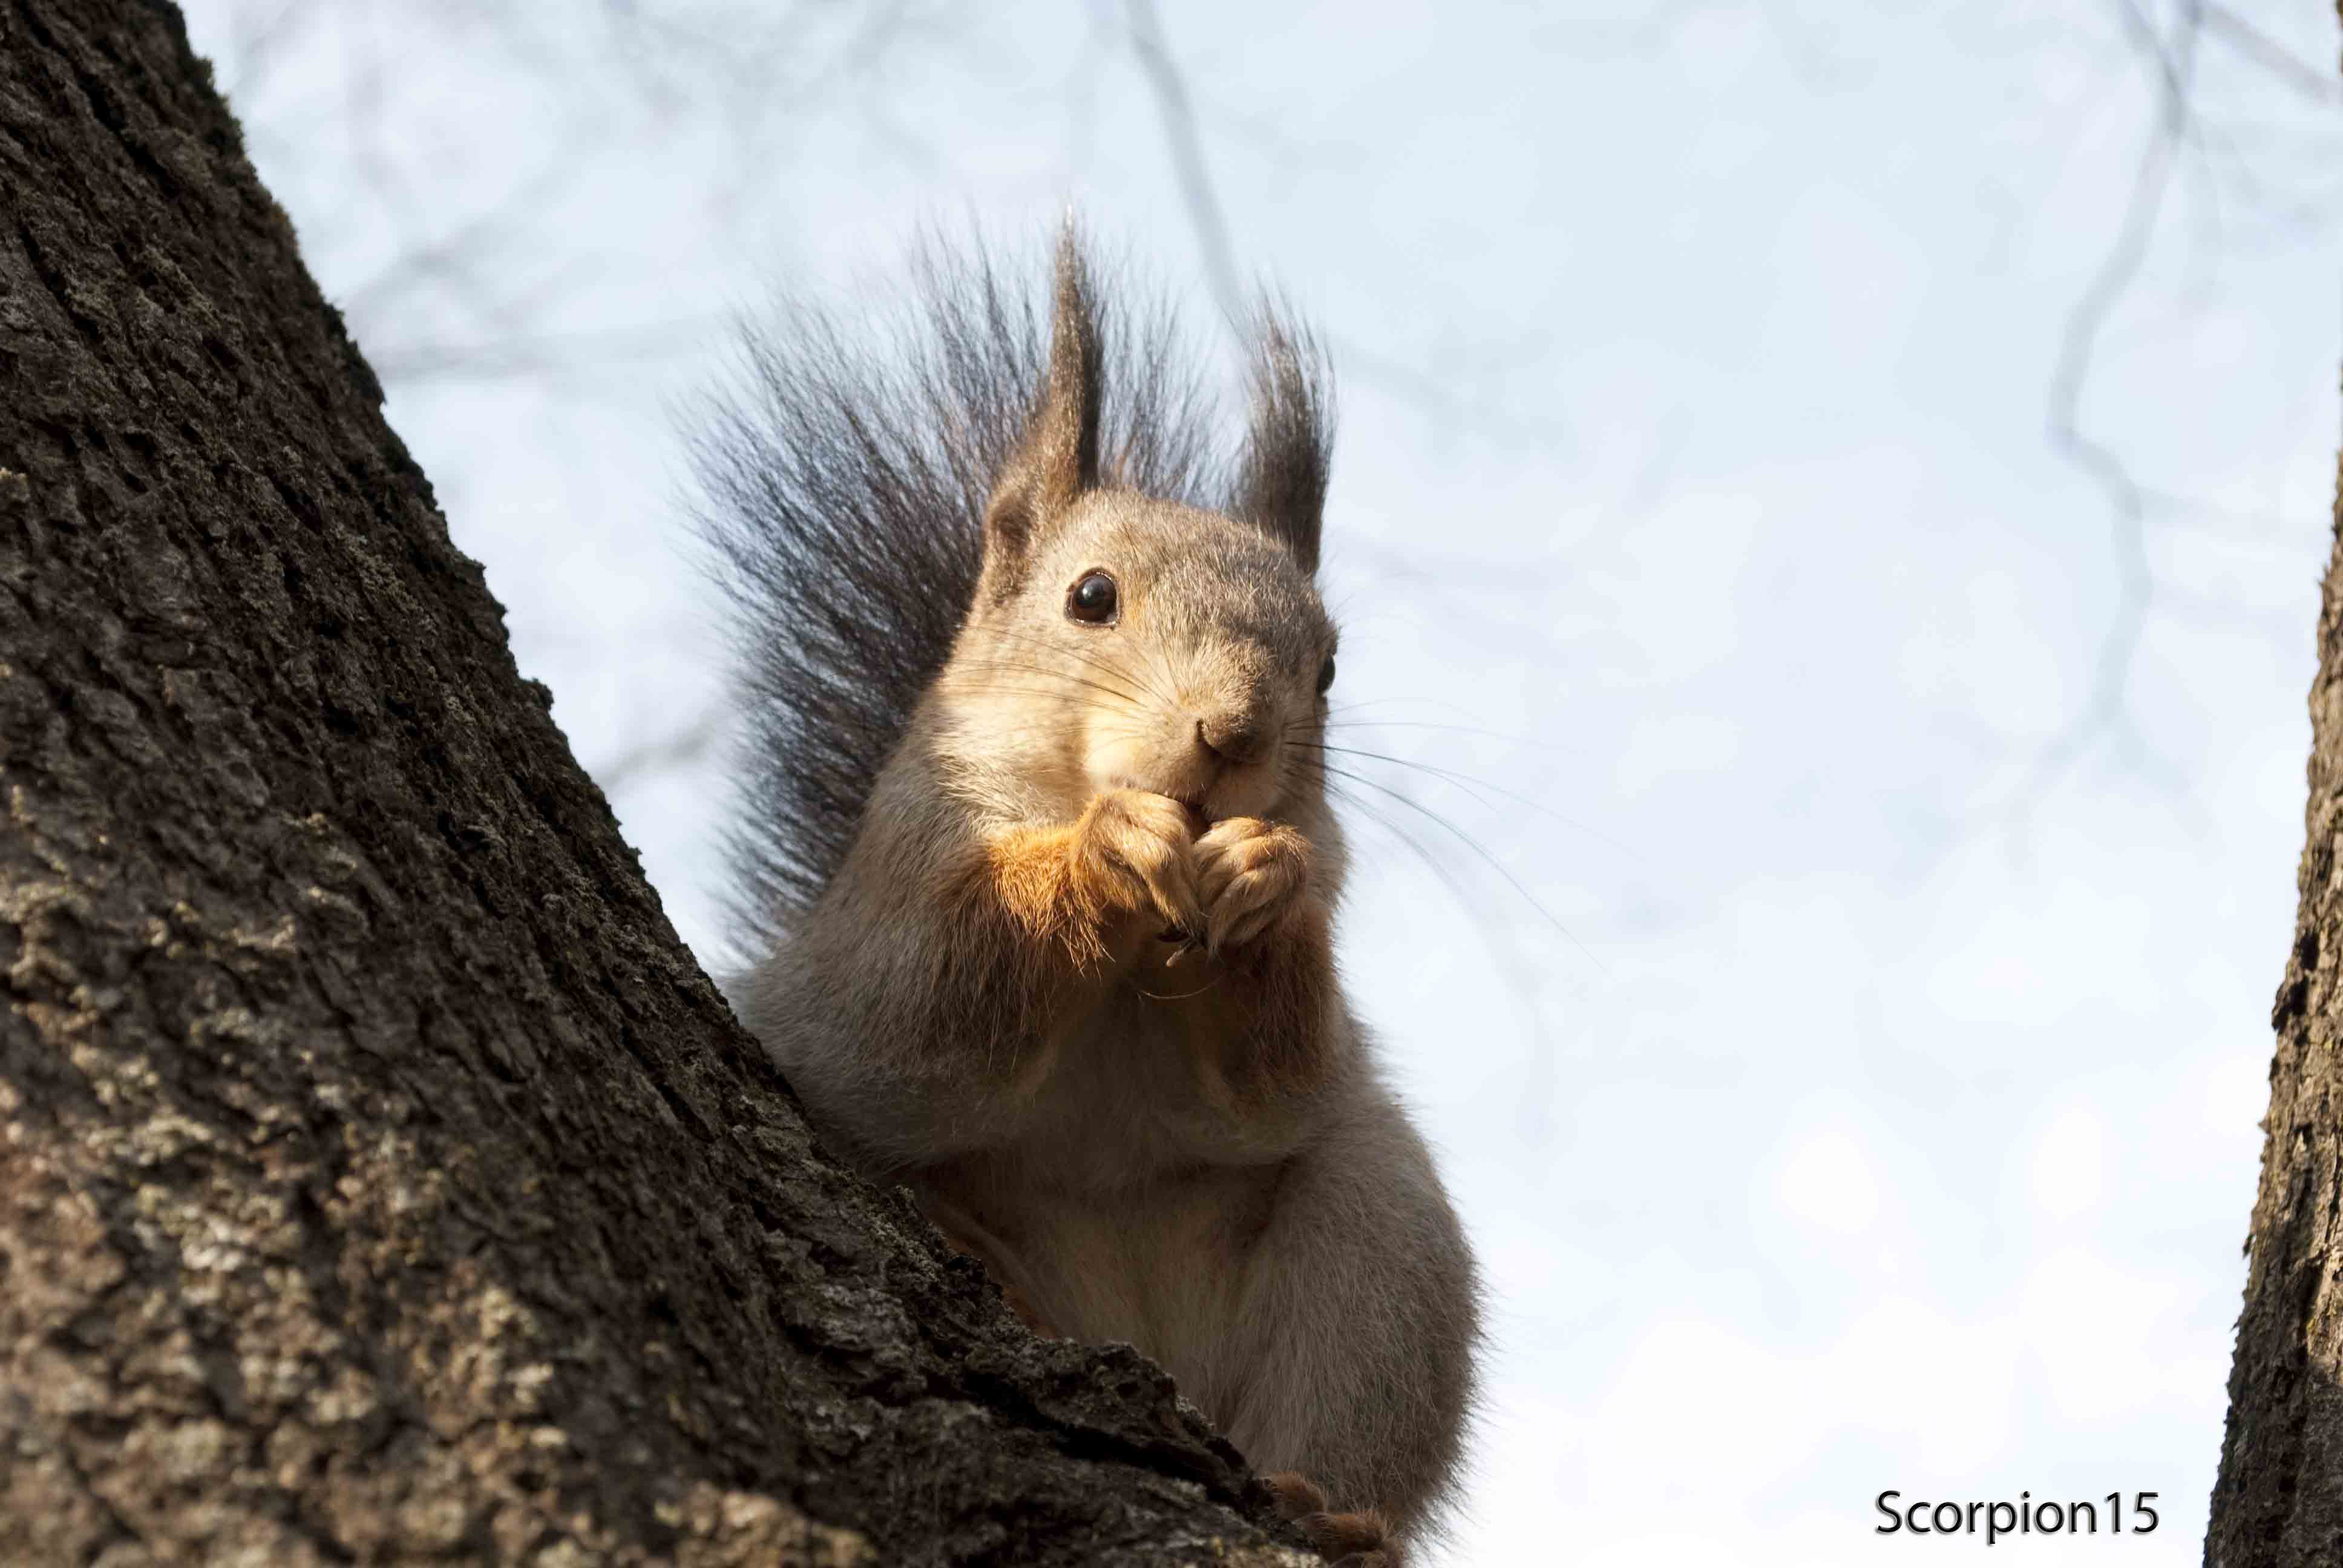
(1839, 985)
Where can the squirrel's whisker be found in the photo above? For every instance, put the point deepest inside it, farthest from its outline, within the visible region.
(1162, 668)
(1439, 868)
(1477, 848)
(1092, 660)
(1059, 675)
(1346, 723)
(1464, 781)
(1472, 784)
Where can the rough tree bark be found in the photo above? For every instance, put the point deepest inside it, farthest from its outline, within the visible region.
(380, 1180)
(2278, 1502)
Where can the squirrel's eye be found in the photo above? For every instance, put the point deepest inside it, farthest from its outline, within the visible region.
(1092, 599)
(1325, 675)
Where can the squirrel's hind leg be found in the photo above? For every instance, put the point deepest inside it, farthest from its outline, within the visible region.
(1361, 1319)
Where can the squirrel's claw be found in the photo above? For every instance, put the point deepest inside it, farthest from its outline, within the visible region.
(1248, 873)
(1359, 1539)
(1136, 845)
(1183, 947)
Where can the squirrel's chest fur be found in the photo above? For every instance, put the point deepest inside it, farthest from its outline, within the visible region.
(1113, 1177)
(1125, 1193)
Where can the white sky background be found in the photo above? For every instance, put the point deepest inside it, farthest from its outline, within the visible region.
(1868, 1099)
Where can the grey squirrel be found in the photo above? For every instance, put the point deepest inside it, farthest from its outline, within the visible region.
(1038, 839)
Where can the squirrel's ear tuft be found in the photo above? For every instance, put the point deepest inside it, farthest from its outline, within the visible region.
(1059, 457)
(1282, 482)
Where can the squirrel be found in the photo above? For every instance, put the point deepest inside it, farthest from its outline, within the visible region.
(1038, 840)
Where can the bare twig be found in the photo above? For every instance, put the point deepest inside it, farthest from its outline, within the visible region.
(1179, 117)
(483, 360)
(2104, 710)
(2320, 85)
(1208, 221)
(688, 745)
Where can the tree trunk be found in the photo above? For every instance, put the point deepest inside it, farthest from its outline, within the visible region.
(2279, 1502)
(380, 1180)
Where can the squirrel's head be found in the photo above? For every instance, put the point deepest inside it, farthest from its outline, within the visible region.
(1121, 641)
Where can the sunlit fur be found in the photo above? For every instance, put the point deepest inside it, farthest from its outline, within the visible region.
(1072, 978)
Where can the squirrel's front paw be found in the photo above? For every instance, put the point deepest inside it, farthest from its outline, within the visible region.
(1247, 872)
(1133, 848)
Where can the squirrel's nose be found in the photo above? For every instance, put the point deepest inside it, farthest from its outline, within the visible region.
(1231, 736)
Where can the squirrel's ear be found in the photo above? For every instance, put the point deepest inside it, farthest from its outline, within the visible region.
(1282, 482)
(1059, 457)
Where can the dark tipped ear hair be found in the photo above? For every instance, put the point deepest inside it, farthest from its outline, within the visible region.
(1281, 479)
(866, 480)
(1059, 457)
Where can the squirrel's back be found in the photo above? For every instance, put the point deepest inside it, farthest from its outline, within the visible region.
(844, 475)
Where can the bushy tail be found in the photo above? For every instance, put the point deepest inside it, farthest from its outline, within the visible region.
(844, 473)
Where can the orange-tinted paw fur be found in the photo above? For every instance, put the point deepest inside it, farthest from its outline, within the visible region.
(1248, 874)
(1131, 853)
(1360, 1539)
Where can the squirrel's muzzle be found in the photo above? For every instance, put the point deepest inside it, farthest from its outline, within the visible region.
(1235, 737)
